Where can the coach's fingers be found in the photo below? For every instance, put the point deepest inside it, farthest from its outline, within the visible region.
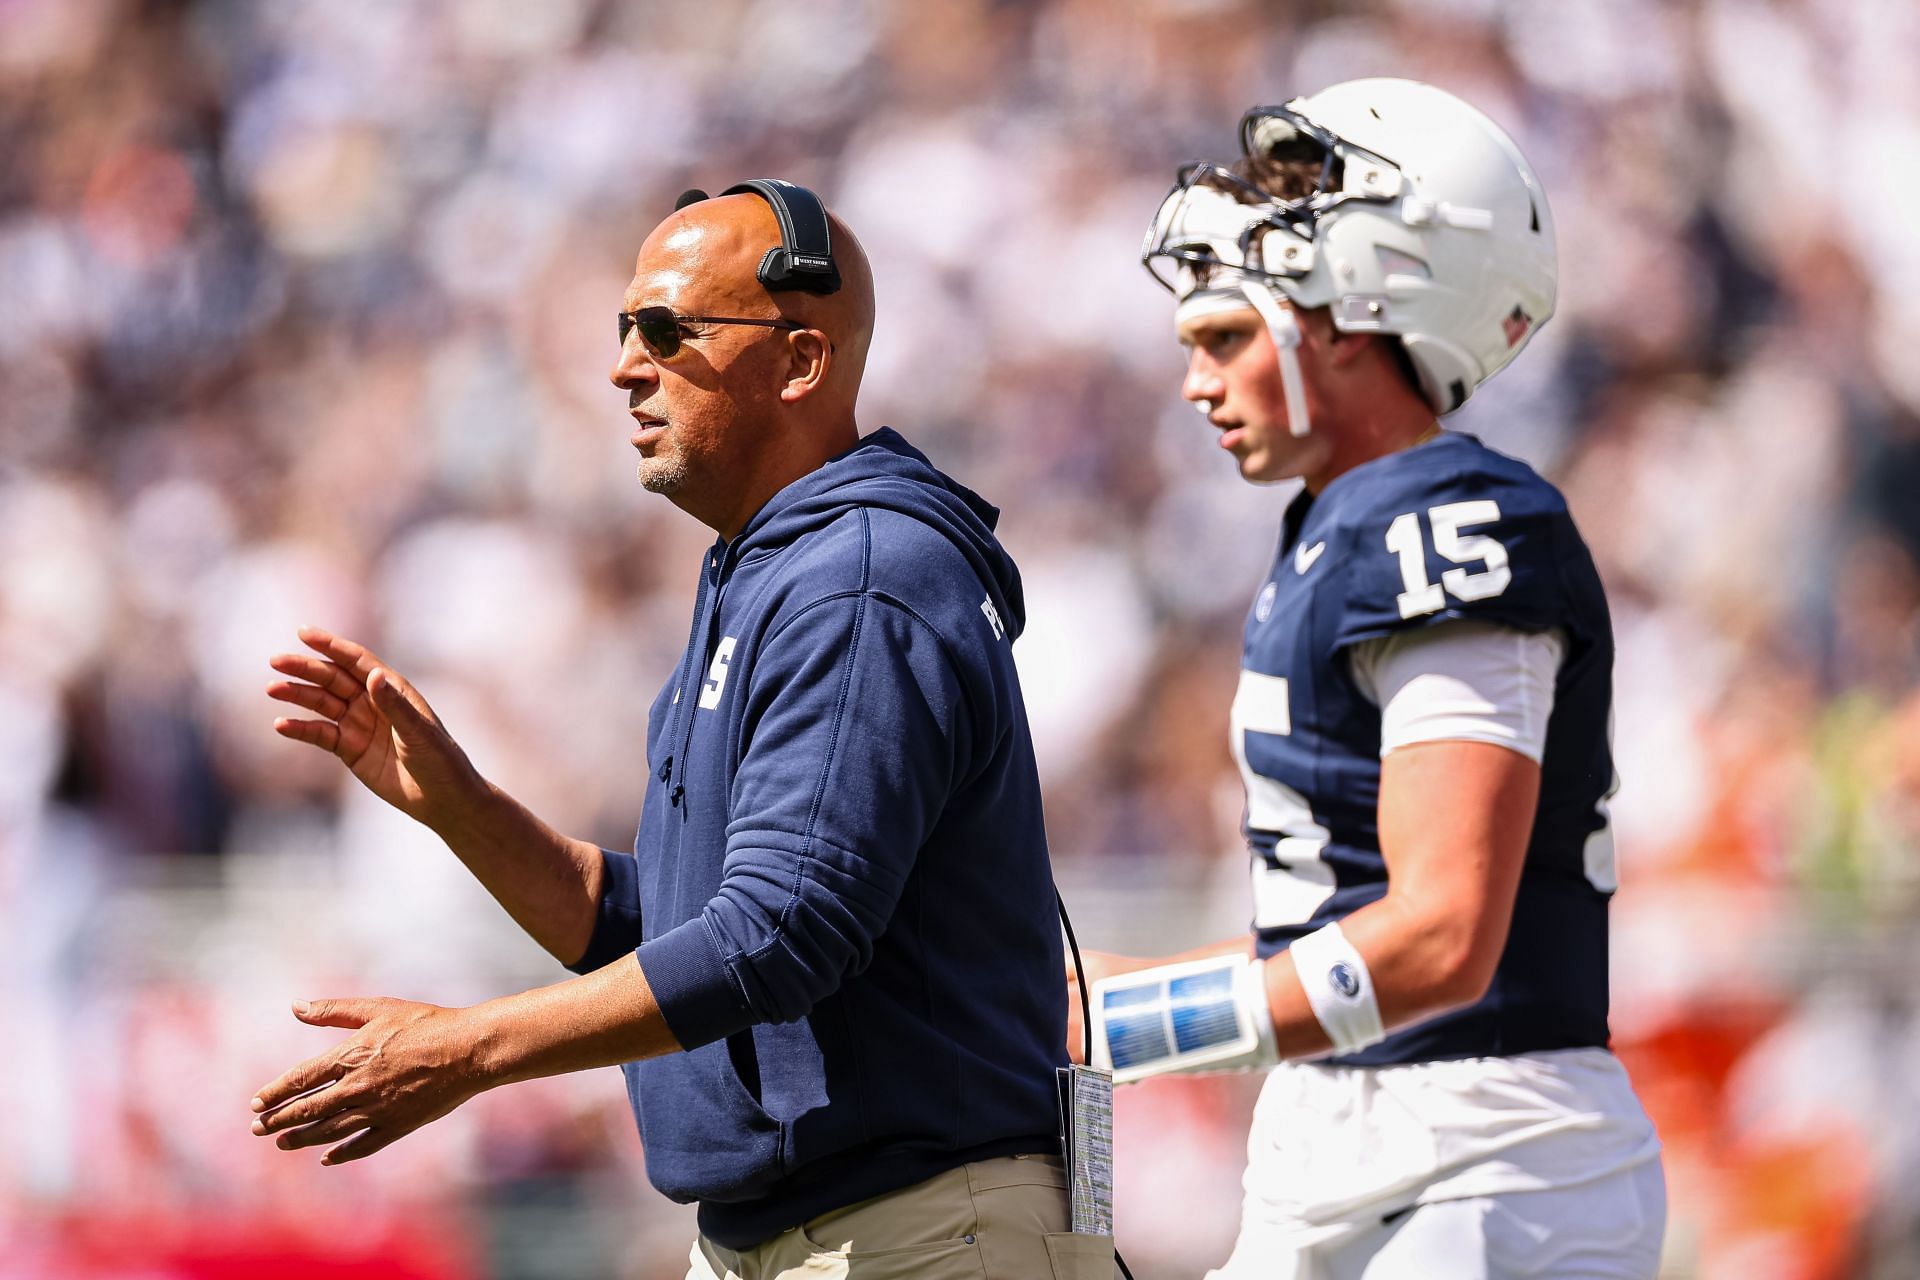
(400, 703)
(307, 1108)
(331, 1129)
(352, 656)
(350, 1014)
(313, 1074)
(309, 696)
(364, 1144)
(317, 671)
(324, 734)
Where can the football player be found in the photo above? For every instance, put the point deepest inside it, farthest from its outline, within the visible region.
(1421, 724)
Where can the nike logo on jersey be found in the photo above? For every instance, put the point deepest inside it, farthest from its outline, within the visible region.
(1303, 557)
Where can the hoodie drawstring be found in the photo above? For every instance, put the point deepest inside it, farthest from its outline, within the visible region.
(695, 672)
(680, 693)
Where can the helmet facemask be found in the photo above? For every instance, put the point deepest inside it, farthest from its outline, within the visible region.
(1219, 234)
(1395, 206)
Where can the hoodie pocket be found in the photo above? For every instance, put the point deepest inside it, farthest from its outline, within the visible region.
(706, 1136)
(813, 1084)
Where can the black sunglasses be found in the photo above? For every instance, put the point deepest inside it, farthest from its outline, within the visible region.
(660, 327)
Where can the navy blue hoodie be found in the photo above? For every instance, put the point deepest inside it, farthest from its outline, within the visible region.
(840, 891)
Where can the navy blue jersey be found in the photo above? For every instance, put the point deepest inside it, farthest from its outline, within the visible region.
(1447, 529)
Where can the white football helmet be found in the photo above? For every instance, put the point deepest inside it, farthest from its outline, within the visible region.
(1426, 223)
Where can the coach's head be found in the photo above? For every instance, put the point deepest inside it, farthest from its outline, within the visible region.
(726, 413)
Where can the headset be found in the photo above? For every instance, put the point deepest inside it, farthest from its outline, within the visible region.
(804, 258)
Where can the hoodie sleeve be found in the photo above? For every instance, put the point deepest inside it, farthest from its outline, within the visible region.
(857, 728)
(616, 917)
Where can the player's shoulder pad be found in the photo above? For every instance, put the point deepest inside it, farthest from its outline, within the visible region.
(1451, 529)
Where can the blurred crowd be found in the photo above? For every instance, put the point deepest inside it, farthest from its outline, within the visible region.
(306, 312)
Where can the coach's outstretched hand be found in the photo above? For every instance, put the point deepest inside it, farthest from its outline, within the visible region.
(406, 1065)
(377, 723)
(384, 731)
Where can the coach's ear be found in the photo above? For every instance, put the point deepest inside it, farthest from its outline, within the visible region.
(809, 356)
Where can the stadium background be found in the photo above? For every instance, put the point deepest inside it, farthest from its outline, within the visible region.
(305, 313)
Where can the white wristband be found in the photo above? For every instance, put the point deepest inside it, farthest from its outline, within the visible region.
(1197, 1015)
(1339, 988)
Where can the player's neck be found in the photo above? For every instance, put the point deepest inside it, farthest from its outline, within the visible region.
(1369, 438)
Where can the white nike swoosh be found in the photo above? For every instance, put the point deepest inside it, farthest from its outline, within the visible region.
(1303, 557)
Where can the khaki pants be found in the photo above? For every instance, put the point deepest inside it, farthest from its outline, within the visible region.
(1003, 1219)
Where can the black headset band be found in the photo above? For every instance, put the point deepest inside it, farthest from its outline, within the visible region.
(804, 259)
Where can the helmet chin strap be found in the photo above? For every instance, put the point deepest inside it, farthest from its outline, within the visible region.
(1285, 333)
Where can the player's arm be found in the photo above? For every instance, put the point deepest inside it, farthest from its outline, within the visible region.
(1464, 713)
(407, 1064)
(389, 738)
(1464, 708)
(1454, 820)
(1455, 817)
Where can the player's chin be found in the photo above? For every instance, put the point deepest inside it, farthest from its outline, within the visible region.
(1261, 465)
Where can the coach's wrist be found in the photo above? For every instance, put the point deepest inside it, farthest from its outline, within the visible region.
(466, 812)
(499, 1050)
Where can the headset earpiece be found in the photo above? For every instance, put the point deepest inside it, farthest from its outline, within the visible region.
(804, 258)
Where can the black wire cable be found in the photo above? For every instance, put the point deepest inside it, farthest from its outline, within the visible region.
(1086, 1023)
(1080, 973)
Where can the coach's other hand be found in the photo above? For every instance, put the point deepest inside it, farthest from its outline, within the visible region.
(377, 723)
(406, 1065)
